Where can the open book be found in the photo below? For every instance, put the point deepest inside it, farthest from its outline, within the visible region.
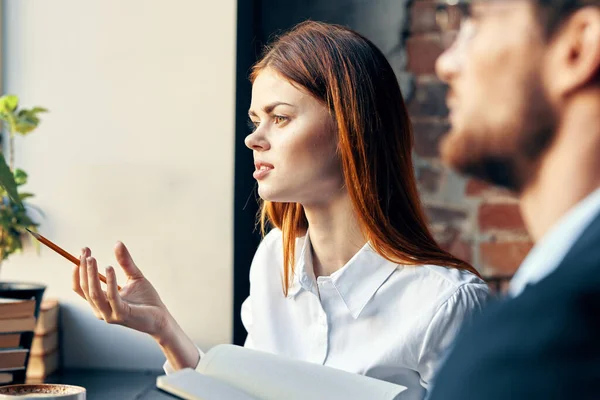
(231, 372)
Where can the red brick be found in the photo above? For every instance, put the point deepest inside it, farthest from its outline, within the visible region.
(427, 136)
(503, 258)
(423, 51)
(450, 239)
(422, 17)
(429, 99)
(477, 188)
(500, 216)
(460, 249)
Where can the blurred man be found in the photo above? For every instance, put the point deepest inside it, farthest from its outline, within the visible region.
(524, 100)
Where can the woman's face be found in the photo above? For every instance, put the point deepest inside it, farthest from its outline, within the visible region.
(294, 143)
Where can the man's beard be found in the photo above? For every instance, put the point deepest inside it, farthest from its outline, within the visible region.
(507, 155)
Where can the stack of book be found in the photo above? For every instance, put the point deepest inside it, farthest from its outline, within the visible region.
(44, 356)
(17, 323)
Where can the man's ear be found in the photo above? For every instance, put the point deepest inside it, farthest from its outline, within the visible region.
(574, 56)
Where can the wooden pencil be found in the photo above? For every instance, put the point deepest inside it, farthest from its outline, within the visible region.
(62, 252)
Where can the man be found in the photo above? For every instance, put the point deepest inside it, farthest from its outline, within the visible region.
(524, 100)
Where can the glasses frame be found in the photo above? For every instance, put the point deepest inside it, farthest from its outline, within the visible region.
(450, 14)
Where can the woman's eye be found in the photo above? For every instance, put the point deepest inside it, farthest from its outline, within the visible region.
(252, 125)
(279, 119)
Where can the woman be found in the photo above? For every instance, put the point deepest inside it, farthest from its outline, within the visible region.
(349, 277)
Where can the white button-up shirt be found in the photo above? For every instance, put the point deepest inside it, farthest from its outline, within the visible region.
(371, 317)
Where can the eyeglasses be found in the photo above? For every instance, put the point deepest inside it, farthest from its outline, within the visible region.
(452, 18)
(451, 14)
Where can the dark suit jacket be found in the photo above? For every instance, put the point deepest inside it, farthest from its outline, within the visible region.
(543, 344)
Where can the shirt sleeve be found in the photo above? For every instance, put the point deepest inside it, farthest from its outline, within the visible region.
(169, 369)
(445, 325)
(246, 316)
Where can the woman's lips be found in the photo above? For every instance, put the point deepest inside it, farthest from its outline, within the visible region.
(262, 170)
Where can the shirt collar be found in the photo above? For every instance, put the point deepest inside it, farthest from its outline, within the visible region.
(551, 249)
(304, 274)
(356, 282)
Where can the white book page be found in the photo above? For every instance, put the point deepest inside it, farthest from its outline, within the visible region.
(191, 385)
(269, 377)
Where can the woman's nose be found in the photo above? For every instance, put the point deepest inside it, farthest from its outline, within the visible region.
(257, 141)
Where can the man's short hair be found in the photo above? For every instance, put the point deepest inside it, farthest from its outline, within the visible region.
(552, 13)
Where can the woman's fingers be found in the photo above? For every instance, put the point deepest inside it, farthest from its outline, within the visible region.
(109, 305)
(96, 294)
(85, 252)
(126, 262)
(114, 298)
(76, 280)
(83, 282)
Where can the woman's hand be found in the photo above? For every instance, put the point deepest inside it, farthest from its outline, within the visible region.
(137, 305)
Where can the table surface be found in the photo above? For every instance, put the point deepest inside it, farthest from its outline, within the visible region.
(114, 384)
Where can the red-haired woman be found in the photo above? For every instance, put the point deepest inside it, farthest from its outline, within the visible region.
(349, 276)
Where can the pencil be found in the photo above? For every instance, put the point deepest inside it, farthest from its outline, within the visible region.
(63, 253)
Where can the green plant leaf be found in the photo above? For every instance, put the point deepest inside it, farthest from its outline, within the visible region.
(14, 217)
(7, 181)
(25, 195)
(9, 118)
(24, 127)
(9, 103)
(14, 222)
(20, 177)
(27, 120)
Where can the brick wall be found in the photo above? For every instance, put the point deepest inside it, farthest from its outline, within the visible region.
(472, 220)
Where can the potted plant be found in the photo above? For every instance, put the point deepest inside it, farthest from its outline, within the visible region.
(14, 217)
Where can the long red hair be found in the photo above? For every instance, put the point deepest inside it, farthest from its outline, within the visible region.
(352, 77)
